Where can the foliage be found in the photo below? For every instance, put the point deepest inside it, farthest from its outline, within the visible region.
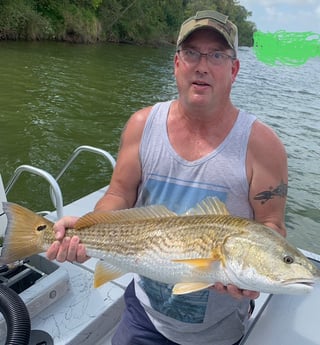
(69, 21)
(79, 25)
(20, 21)
(138, 22)
(133, 21)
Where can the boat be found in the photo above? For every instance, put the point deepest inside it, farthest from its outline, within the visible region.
(65, 309)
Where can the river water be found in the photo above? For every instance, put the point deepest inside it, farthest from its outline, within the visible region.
(55, 97)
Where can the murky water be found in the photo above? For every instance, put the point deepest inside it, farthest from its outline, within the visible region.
(55, 97)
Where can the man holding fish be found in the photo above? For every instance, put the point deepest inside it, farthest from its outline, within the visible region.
(177, 154)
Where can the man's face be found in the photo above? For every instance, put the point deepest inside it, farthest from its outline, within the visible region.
(205, 83)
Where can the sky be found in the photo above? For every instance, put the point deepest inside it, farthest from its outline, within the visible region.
(288, 15)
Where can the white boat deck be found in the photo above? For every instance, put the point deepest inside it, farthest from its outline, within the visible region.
(287, 320)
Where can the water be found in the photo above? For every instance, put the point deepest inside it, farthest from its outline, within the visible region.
(55, 97)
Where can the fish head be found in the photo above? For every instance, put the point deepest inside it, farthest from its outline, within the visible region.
(262, 260)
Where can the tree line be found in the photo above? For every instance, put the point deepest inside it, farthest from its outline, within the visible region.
(145, 22)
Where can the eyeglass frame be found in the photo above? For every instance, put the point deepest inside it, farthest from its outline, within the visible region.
(200, 55)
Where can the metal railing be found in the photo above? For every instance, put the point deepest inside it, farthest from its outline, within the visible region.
(44, 174)
(86, 148)
(55, 191)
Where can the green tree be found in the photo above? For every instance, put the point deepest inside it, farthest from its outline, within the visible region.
(21, 21)
(237, 14)
(133, 21)
(142, 21)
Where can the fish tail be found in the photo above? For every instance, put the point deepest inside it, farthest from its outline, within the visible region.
(24, 235)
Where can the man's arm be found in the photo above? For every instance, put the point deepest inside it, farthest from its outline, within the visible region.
(122, 192)
(267, 171)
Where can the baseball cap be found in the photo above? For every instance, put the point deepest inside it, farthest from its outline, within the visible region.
(214, 20)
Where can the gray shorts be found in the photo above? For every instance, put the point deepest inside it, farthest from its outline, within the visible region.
(135, 327)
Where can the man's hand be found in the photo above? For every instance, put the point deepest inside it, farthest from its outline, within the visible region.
(66, 248)
(235, 292)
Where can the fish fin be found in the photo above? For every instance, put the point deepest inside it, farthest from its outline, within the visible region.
(210, 205)
(24, 233)
(105, 272)
(204, 264)
(201, 264)
(184, 288)
(132, 214)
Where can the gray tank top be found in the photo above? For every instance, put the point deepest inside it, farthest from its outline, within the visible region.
(204, 317)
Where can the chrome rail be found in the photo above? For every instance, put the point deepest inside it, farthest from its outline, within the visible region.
(55, 191)
(75, 154)
(54, 186)
(86, 148)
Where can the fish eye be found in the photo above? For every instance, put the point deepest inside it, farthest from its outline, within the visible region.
(288, 259)
(41, 227)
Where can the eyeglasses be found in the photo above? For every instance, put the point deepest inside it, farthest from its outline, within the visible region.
(192, 56)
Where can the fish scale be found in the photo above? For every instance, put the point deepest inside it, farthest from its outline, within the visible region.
(181, 233)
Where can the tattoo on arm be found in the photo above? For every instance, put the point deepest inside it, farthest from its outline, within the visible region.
(280, 191)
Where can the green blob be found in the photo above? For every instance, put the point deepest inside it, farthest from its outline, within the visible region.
(288, 48)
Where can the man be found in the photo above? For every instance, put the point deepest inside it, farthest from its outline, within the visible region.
(177, 153)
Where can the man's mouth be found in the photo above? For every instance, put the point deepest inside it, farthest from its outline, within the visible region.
(200, 83)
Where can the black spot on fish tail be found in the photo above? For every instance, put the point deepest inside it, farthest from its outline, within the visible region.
(41, 227)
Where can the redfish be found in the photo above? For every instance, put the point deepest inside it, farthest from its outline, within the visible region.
(190, 251)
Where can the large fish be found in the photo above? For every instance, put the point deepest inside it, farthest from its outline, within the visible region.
(190, 251)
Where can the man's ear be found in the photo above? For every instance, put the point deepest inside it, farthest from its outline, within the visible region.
(235, 69)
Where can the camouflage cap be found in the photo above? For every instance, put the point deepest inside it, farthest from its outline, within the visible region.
(214, 20)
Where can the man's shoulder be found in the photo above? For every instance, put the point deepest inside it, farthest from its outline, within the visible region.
(264, 142)
(139, 118)
(261, 132)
